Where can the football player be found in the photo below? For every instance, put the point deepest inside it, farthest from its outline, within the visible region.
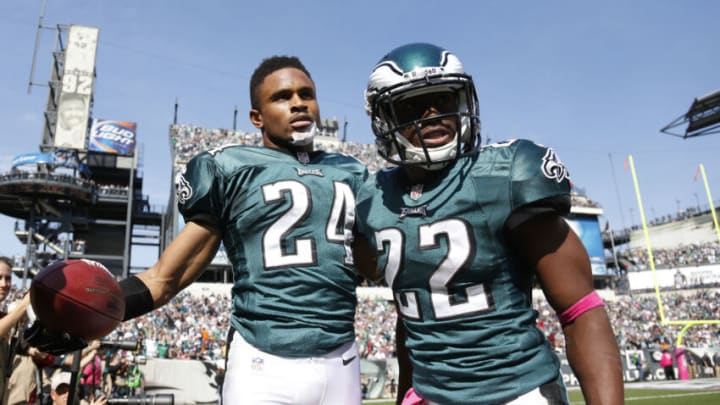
(285, 215)
(461, 231)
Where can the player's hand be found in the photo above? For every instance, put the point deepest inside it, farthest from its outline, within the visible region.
(52, 342)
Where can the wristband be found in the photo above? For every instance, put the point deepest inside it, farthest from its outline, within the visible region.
(138, 299)
(584, 304)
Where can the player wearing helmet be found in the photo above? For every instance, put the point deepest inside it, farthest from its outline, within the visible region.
(460, 232)
(397, 98)
(285, 215)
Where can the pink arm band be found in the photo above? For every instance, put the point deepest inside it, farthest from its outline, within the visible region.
(583, 305)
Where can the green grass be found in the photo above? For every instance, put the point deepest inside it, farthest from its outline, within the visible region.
(637, 397)
(661, 397)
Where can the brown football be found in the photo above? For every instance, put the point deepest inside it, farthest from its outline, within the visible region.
(80, 297)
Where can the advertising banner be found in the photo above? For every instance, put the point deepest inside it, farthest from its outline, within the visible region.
(644, 364)
(73, 108)
(588, 229)
(110, 136)
(32, 159)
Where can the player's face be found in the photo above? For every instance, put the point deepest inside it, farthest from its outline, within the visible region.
(5, 280)
(287, 103)
(434, 132)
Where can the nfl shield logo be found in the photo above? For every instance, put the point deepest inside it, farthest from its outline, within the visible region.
(416, 192)
(303, 157)
(257, 364)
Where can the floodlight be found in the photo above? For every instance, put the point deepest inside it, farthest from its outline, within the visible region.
(703, 117)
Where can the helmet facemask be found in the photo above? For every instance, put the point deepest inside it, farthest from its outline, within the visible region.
(400, 109)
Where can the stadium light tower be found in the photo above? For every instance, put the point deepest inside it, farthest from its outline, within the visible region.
(703, 118)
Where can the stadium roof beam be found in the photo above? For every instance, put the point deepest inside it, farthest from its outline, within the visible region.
(703, 118)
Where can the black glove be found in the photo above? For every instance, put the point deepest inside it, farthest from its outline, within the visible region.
(52, 342)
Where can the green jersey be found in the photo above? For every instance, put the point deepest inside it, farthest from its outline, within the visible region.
(465, 299)
(286, 225)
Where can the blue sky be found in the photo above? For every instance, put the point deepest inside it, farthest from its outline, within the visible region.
(594, 80)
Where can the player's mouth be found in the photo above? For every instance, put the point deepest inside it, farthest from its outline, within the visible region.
(301, 123)
(436, 135)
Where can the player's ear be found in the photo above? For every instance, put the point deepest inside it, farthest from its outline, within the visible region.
(257, 119)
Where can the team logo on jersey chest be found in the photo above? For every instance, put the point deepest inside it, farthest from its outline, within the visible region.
(553, 168)
(183, 190)
(311, 172)
(420, 211)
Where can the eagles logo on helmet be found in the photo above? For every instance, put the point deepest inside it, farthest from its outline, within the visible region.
(416, 71)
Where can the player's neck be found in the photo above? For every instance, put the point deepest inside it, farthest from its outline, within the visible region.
(287, 148)
(418, 175)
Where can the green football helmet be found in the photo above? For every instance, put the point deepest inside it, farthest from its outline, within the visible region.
(421, 71)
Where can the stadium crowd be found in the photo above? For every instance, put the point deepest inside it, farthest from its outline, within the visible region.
(195, 327)
(189, 140)
(694, 254)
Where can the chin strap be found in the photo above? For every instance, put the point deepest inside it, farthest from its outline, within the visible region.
(304, 138)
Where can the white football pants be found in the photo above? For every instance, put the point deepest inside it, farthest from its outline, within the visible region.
(254, 377)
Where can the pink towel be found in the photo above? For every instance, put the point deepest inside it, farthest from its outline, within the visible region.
(412, 398)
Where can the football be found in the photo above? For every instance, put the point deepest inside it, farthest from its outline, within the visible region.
(80, 297)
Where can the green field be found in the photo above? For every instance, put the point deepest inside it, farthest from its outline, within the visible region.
(638, 397)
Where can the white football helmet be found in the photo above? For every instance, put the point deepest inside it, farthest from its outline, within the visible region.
(415, 70)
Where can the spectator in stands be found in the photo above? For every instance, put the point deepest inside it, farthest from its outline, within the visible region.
(135, 379)
(6, 266)
(285, 214)
(639, 364)
(692, 364)
(116, 376)
(91, 375)
(60, 388)
(9, 319)
(7, 323)
(22, 384)
(460, 251)
(706, 366)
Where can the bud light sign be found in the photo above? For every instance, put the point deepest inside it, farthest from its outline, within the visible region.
(116, 137)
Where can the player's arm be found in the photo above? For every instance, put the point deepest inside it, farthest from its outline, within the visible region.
(14, 316)
(180, 264)
(548, 244)
(403, 357)
(365, 258)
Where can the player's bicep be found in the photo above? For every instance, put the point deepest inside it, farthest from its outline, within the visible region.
(182, 262)
(549, 246)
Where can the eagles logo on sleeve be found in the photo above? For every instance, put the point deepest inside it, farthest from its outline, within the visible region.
(553, 168)
(183, 190)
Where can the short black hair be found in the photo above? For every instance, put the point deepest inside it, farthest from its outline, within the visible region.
(6, 260)
(267, 67)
